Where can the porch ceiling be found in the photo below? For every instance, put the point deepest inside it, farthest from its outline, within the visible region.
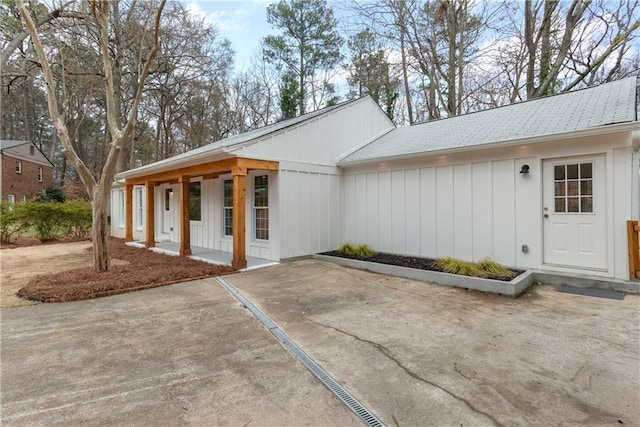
(208, 170)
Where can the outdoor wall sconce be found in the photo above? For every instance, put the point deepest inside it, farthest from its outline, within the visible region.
(525, 169)
(171, 189)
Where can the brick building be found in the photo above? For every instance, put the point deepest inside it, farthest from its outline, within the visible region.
(25, 171)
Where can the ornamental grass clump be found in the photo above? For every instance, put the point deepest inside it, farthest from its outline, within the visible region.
(361, 251)
(492, 268)
(458, 266)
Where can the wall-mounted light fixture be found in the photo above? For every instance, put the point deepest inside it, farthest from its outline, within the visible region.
(170, 190)
(525, 169)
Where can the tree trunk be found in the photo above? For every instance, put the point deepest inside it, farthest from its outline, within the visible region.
(100, 233)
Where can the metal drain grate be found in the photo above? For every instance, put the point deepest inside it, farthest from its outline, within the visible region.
(342, 393)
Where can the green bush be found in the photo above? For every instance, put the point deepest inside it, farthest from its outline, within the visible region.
(12, 223)
(362, 251)
(54, 194)
(46, 218)
(77, 218)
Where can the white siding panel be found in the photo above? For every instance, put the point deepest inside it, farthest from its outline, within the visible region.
(361, 208)
(428, 215)
(623, 174)
(334, 207)
(412, 212)
(444, 208)
(528, 212)
(385, 201)
(350, 208)
(503, 212)
(462, 208)
(398, 212)
(373, 220)
(482, 210)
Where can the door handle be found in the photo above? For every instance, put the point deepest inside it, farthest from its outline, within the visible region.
(546, 215)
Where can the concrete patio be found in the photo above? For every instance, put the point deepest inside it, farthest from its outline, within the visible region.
(415, 354)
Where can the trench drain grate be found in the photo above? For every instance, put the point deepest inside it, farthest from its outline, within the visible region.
(343, 394)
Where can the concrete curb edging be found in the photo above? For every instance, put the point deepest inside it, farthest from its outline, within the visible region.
(512, 289)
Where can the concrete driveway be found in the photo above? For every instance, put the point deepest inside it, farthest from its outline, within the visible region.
(413, 353)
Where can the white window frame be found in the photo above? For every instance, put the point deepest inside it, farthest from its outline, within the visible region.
(121, 205)
(226, 209)
(139, 208)
(11, 198)
(23, 198)
(40, 173)
(18, 166)
(260, 208)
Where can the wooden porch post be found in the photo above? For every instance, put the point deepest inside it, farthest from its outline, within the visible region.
(128, 213)
(150, 215)
(239, 183)
(185, 229)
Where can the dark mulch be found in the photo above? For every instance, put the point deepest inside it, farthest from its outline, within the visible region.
(146, 269)
(411, 262)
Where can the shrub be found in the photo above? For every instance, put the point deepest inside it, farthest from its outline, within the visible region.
(362, 251)
(54, 194)
(46, 218)
(77, 218)
(12, 221)
(457, 266)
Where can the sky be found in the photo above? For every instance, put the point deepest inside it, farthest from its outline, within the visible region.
(242, 22)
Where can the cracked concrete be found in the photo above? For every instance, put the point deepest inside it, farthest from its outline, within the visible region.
(418, 354)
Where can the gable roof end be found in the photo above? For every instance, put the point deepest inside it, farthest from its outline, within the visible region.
(581, 110)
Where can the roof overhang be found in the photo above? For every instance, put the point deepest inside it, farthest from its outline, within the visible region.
(633, 127)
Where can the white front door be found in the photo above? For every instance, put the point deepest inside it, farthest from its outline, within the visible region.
(169, 197)
(574, 214)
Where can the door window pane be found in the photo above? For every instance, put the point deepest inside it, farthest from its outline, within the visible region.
(573, 188)
(261, 207)
(586, 170)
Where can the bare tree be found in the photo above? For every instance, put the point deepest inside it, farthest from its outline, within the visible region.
(98, 190)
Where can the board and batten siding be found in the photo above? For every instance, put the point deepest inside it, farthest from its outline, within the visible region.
(321, 140)
(477, 204)
(465, 211)
(309, 203)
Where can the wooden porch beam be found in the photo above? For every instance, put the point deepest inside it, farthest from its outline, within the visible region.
(213, 169)
(128, 213)
(150, 215)
(239, 260)
(185, 229)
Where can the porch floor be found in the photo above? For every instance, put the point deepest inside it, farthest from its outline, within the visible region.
(212, 256)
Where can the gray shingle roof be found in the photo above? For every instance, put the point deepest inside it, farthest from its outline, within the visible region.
(7, 143)
(606, 104)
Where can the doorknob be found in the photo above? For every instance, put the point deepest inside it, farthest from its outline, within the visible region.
(546, 215)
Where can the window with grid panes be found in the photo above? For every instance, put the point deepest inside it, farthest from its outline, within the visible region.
(261, 207)
(228, 207)
(573, 188)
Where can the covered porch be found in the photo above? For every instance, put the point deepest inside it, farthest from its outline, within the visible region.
(237, 167)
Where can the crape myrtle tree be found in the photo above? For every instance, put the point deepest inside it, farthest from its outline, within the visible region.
(115, 133)
(308, 46)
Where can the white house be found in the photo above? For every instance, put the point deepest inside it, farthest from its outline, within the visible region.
(546, 184)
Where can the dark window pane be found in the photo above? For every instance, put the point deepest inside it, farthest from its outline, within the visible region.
(261, 190)
(262, 224)
(195, 206)
(572, 171)
(586, 170)
(167, 197)
(228, 193)
(572, 188)
(558, 172)
(573, 204)
(586, 188)
(560, 206)
(559, 188)
(228, 222)
(586, 204)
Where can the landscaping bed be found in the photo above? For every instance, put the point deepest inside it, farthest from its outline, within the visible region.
(512, 284)
(144, 269)
(414, 262)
